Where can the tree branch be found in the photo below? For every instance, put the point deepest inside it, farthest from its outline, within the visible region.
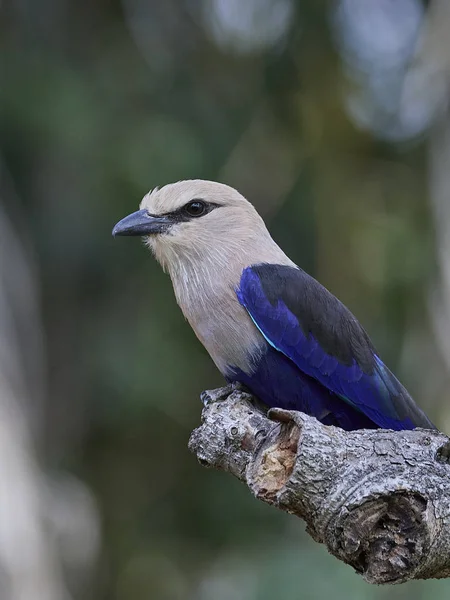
(379, 500)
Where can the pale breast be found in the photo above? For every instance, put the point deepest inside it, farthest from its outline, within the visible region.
(205, 281)
(221, 324)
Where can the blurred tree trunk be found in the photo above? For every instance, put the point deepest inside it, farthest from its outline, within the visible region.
(38, 540)
(435, 55)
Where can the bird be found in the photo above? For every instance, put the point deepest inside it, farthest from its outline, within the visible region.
(267, 324)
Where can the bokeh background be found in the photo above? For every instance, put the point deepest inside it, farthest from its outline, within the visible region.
(332, 117)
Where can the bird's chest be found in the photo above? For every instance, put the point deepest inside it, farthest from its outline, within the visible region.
(223, 326)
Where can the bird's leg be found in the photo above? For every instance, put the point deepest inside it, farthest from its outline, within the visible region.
(257, 403)
(237, 386)
(220, 394)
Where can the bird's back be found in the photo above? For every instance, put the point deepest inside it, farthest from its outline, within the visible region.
(303, 322)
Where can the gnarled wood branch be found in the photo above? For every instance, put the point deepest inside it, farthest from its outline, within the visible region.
(379, 500)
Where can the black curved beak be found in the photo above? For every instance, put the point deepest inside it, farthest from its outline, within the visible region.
(141, 223)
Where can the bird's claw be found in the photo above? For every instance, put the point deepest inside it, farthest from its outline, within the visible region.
(210, 396)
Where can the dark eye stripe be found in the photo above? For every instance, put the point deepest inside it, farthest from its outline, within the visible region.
(181, 216)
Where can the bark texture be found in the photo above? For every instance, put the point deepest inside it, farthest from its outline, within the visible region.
(379, 500)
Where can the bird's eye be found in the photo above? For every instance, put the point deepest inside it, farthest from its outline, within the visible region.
(195, 208)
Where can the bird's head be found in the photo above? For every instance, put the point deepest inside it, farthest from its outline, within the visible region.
(189, 220)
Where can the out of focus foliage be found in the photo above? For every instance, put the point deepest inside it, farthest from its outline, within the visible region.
(322, 114)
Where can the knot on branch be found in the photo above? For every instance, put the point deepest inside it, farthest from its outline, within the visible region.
(377, 499)
(385, 539)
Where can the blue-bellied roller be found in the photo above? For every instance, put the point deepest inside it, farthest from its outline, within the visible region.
(265, 322)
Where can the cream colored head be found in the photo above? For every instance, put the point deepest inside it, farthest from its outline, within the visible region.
(205, 254)
(174, 196)
(227, 225)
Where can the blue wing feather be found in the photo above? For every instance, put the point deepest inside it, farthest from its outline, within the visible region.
(306, 323)
(278, 382)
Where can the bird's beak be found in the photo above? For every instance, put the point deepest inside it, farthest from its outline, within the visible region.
(141, 223)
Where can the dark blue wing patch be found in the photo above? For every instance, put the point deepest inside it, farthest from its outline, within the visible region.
(305, 322)
(277, 381)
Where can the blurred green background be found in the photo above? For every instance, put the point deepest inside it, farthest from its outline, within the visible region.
(331, 117)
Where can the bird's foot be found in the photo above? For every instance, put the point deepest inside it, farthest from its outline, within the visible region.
(210, 396)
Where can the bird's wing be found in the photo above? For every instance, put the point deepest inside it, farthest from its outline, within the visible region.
(304, 321)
